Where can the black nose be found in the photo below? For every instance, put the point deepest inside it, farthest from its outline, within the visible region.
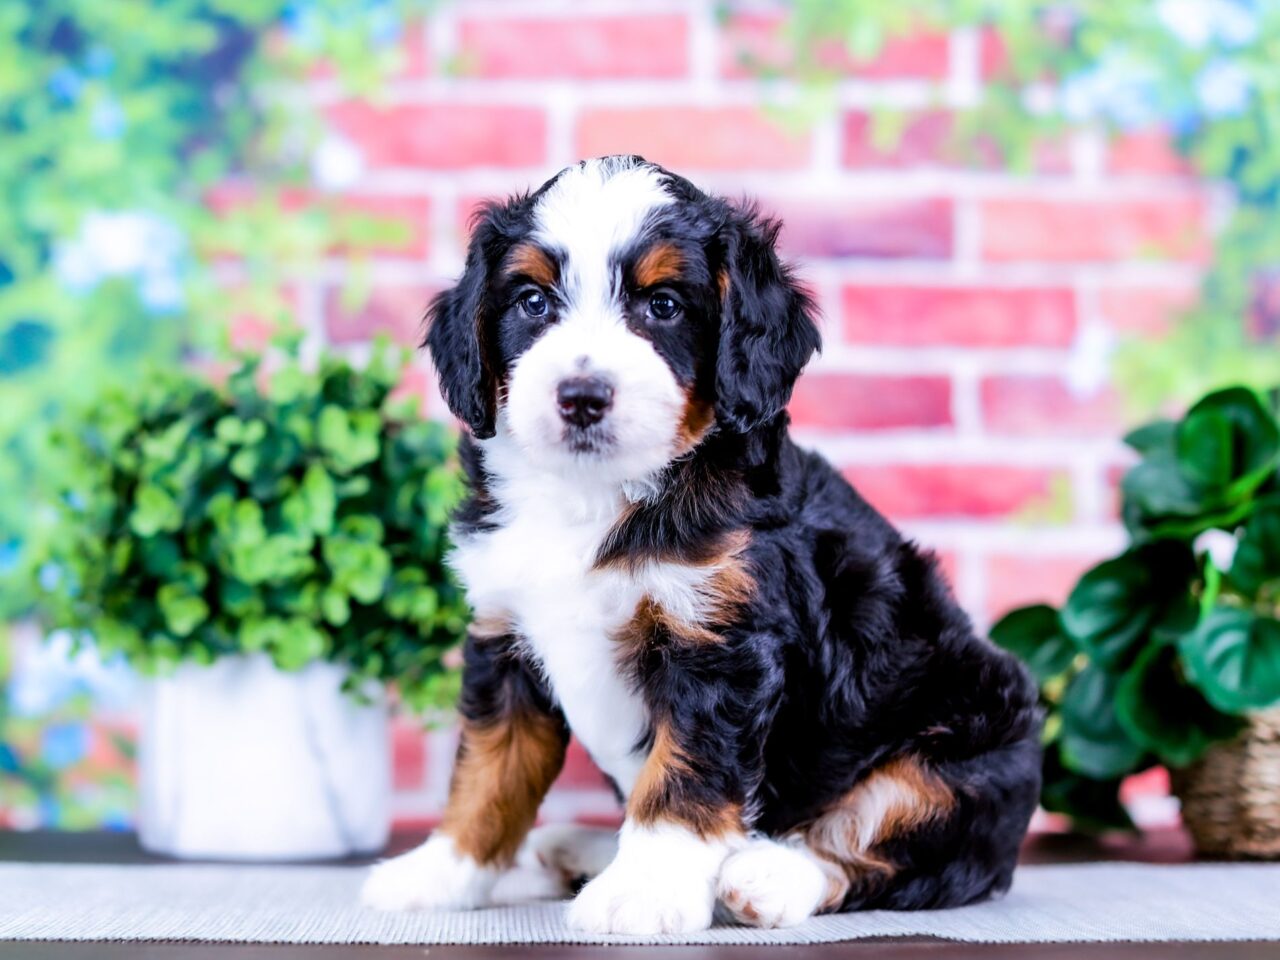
(584, 400)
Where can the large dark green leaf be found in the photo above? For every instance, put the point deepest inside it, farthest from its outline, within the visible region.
(1204, 473)
(1115, 605)
(1249, 445)
(1093, 742)
(1093, 805)
(1162, 712)
(1035, 635)
(1234, 657)
(1257, 559)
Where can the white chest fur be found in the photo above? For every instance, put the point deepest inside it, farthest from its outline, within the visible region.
(536, 571)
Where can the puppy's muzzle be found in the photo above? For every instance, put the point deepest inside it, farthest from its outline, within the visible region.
(584, 401)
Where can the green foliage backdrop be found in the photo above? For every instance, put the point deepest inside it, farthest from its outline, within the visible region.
(1204, 70)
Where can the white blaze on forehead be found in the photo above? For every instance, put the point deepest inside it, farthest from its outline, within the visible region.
(591, 212)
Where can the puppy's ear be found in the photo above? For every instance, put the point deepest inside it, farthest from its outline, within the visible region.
(767, 328)
(458, 335)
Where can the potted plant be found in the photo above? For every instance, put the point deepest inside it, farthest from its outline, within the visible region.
(1170, 652)
(268, 553)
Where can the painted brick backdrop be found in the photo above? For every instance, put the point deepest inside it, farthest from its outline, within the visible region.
(969, 311)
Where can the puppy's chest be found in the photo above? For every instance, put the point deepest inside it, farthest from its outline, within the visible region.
(537, 573)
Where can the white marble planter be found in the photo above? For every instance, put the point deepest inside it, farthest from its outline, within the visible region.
(240, 760)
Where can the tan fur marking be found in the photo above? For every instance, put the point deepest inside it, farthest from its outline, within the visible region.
(502, 773)
(696, 420)
(530, 260)
(661, 263)
(660, 794)
(726, 591)
(489, 627)
(894, 799)
(722, 281)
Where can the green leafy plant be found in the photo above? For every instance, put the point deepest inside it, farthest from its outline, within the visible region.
(1166, 649)
(119, 120)
(295, 513)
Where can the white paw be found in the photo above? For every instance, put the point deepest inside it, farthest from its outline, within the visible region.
(622, 900)
(662, 881)
(435, 876)
(570, 850)
(768, 884)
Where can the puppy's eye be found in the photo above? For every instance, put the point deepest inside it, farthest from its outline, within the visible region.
(663, 307)
(534, 304)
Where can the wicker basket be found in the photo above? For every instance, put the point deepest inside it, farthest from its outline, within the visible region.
(1231, 796)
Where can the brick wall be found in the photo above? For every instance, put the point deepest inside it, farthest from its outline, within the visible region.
(968, 311)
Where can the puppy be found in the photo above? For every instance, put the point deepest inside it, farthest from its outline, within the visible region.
(790, 704)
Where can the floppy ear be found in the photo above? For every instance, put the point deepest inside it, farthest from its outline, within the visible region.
(767, 329)
(457, 338)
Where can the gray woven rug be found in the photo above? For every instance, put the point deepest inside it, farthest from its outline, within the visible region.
(242, 904)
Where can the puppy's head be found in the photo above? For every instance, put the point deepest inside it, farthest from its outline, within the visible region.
(613, 318)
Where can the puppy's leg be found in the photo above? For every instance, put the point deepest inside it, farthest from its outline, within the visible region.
(680, 826)
(512, 746)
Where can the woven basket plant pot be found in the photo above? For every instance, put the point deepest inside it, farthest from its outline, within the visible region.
(1231, 796)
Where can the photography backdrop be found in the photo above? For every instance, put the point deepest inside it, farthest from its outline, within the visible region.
(971, 310)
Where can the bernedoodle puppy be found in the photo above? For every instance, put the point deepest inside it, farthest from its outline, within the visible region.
(792, 707)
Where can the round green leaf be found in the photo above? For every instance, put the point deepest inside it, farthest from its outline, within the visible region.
(1257, 558)
(1234, 658)
(1093, 742)
(1162, 712)
(1118, 602)
(1035, 635)
(1092, 804)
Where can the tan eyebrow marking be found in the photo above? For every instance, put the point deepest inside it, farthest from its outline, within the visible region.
(530, 260)
(661, 263)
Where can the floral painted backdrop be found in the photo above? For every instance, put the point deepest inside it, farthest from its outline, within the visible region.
(1027, 224)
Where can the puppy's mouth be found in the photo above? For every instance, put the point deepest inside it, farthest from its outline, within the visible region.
(594, 440)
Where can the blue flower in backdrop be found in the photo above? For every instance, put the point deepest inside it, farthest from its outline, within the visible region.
(127, 243)
(1199, 23)
(107, 119)
(1224, 88)
(64, 744)
(47, 675)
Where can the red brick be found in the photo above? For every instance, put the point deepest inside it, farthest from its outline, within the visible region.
(847, 401)
(756, 43)
(914, 490)
(935, 138)
(408, 756)
(974, 316)
(882, 229)
(1045, 406)
(407, 216)
(1019, 580)
(948, 566)
(693, 138)
(1063, 231)
(1147, 152)
(580, 771)
(577, 46)
(445, 136)
(394, 310)
(1145, 310)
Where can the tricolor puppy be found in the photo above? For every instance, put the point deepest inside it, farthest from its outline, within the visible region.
(795, 712)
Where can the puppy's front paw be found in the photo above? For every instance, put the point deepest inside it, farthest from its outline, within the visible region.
(768, 884)
(435, 876)
(641, 903)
